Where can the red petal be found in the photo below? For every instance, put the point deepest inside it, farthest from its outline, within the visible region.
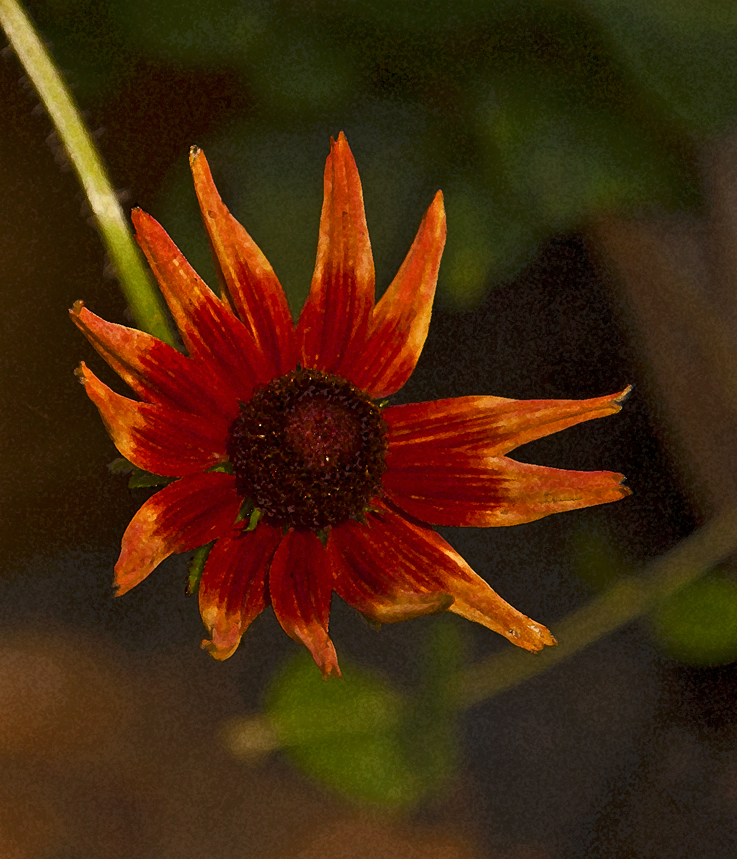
(402, 316)
(210, 331)
(300, 582)
(182, 516)
(334, 322)
(152, 368)
(491, 426)
(390, 567)
(157, 438)
(247, 279)
(462, 488)
(233, 590)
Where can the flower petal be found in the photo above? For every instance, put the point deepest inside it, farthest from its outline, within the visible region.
(402, 317)
(233, 590)
(150, 367)
(157, 438)
(246, 277)
(462, 488)
(210, 331)
(182, 516)
(491, 426)
(300, 582)
(391, 560)
(335, 319)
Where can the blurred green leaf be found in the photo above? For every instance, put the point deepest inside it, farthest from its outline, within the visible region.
(698, 624)
(565, 155)
(428, 17)
(300, 71)
(212, 34)
(488, 240)
(683, 52)
(360, 737)
(344, 733)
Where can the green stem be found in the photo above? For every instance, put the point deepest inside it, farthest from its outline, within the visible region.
(135, 281)
(623, 602)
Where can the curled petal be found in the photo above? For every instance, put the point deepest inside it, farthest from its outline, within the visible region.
(152, 368)
(300, 583)
(392, 561)
(461, 488)
(491, 426)
(210, 331)
(157, 438)
(246, 277)
(401, 319)
(233, 590)
(335, 320)
(180, 517)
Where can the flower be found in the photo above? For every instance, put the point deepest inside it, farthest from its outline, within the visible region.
(283, 454)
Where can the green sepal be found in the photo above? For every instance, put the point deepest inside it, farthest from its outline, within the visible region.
(253, 521)
(196, 568)
(322, 535)
(139, 479)
(245, 512)
(222, 468)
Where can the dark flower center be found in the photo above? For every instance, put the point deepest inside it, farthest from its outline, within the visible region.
(308, 449)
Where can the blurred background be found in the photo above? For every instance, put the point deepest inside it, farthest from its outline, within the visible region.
(588, 156)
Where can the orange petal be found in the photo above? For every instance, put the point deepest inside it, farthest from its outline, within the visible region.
(246, 277)
(209, 329)
(486, 425)
(152, 368)
(156, 438)
(392, 560)
(462, 488)
(402, 316)
(233, 590)
(180, 517)
(300, 583)
(334, 322)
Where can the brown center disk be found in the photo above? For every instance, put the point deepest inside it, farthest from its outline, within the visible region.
(309, 450)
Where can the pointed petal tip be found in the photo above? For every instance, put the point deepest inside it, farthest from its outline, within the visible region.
(621, 397)
(194, 153)
(322, 650)
(330, 669)
(530, 635)
(221, 647)
(121, 586)
(76, 308)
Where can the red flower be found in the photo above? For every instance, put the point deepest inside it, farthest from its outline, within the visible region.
(346, 487)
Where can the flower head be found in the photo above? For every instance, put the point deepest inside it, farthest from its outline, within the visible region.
(284, 422)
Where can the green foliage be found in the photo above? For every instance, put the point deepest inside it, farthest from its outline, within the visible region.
(698, 624)
(362, 738)
(196, 568)
(139, 479)
(533, 116)
(344, 733)
(683, 54)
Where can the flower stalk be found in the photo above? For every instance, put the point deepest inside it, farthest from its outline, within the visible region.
(136, 283)
(626, 600)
